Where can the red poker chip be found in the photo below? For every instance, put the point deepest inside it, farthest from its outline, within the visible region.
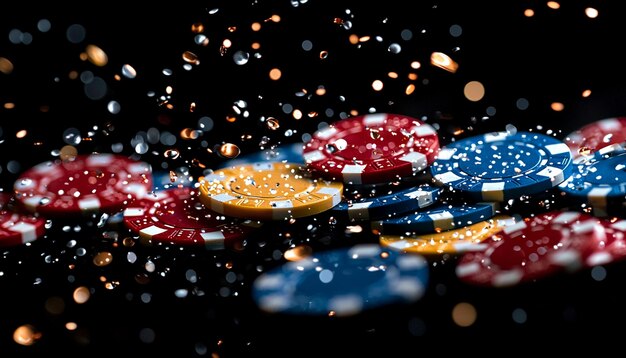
(94, 183)
(372, 149)
(530, 249)
(18, 228)
(597, 135)
(608, 243)
(177, 216)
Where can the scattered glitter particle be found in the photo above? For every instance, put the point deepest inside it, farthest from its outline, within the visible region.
(464, 314)
(81, 295)
(443, 61)
(6, 66)
(191, 58)
(129, 71)
(557, 106)
(26, 335)
(68, 153)
(102, 258)
(553, 5)
(298, 253)
(229, 150)
(474, 91)
(275, 74)
(197, 28)
(272, 123)
(96, 55)
(591, 12)
(377, 85)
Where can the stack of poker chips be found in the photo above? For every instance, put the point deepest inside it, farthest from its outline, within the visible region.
(387, 172)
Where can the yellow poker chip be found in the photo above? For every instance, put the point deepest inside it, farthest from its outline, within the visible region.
(468, 238)
(268, 191)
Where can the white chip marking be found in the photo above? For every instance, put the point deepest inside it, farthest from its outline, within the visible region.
(352, 173)
(508, 278)
(359, 211)
(447, 177)
(374, 119)
(418, 160)
(313, 156)
(132, 212)
(471, 268)
(556, 175)
(28, 232)
(99, 160)
(151, 231)
(493, 191)
(89, 204)
(213, 239)
(444, 219)
(326, 133)
(446, 153)
(557, 148)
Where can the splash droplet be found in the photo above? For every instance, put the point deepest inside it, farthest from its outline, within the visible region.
(394, 48)
(171, 154)
(272, 123)
(241, 57)
(229, 150)
(96, 55)
(128, 71)
(191, 57)
(102, 258)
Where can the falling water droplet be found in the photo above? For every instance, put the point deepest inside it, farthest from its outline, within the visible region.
(272, 123)
(191, 57)
(241, 57)
(511, 129)
(129, 71)
(229, 150)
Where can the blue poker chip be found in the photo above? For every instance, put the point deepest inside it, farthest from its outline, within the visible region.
(502, 166)
(179, 177)
(437, 218)
(285, 153)
(390, 204)
(599, 180)
(342, 282)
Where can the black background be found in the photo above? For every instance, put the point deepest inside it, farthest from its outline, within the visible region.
(551, 57)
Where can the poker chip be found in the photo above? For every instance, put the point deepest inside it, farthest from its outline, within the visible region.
(468, 238)
(530, 249)
(608, 244)
(176, 216)
(597, 135)
(18, 228)
(88, 184)
(268, 191)
(342, 282)
(436, 218)
(599, 180)
(369, 149)
(502, 166)
(390, 204)
(285, 153)
(357, 191)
